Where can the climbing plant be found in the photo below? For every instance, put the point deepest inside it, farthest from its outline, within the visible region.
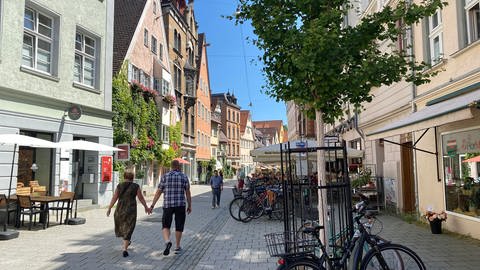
(134, 108)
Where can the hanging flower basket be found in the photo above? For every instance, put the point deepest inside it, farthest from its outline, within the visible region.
(170, 99)
(147, 92)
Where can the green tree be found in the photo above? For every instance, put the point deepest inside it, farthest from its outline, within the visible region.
(311, 56)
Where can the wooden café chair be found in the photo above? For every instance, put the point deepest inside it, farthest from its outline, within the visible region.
(23, 191)
(20, 184)
(39, 190)
(27, 208)
(66, 205)
(33, 183)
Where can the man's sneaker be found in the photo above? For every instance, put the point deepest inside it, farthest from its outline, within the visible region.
(178, 250)
(213, 207)
(167, 248)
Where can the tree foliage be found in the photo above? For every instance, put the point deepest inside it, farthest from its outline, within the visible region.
(312, 57)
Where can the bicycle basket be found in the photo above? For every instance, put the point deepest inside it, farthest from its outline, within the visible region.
(282, 244)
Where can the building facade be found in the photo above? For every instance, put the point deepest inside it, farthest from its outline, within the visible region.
(247, 142)
(203, 117)
(298, 124)
(182, 39)
(140, 44)
(230, 126)
(426, 138)
(53, 57)
(217, 149)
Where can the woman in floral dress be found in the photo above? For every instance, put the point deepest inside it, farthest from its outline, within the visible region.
(126, 211)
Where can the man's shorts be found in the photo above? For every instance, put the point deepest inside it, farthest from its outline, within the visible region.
(179, 217)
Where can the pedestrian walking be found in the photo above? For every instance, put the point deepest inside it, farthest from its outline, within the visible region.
(175, 187)
(125, 215)
(216, 182)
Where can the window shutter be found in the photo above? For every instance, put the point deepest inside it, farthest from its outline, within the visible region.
(129, 72)
(426, 41)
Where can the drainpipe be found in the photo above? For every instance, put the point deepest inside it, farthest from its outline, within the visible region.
(414, 109)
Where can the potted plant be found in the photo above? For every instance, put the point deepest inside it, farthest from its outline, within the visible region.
(435, 219)
(364, 177)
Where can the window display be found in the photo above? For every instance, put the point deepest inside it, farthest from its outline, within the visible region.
(461, 168)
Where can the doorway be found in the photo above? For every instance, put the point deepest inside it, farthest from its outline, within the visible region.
(36, 163)
(408, 183)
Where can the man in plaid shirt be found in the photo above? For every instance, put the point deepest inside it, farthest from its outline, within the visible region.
(175, 186)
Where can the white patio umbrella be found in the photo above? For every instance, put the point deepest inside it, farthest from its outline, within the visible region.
(20, 140)
(86, 145)
(271, 153)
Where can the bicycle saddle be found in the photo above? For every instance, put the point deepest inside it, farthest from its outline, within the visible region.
(313, 229)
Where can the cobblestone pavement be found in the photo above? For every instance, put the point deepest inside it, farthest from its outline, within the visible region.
(212, 240)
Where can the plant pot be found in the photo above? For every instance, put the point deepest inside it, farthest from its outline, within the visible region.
(436, 226)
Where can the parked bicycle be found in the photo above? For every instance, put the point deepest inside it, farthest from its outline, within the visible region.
(257, 201)
(299, 251)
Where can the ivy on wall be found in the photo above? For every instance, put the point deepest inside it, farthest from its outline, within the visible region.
(134, 109)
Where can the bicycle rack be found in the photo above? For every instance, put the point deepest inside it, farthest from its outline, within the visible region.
(301, 194)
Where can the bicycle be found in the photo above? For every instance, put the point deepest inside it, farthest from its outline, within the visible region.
(269, 201)
(300, 252)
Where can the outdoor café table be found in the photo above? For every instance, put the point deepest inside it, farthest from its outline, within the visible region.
(44, 201)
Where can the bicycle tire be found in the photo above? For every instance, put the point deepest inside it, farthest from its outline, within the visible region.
(243, 213)
(302, 264)
(253, 209)
(234, 207)
(395, 256)
(277, 211)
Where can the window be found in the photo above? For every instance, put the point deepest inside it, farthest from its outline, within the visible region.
(473, 20)
(435, 37)
(198, 137)
(177, 41)
(154, 45)
(38, 35)
(154, 7)
(461, 177)
(156, 85)
(145, 79)
(135, 74)
(177, 77)
(160, 51)
(85, 58)
(145, 37)
(198, 109)
(165, 133)
(165, 87)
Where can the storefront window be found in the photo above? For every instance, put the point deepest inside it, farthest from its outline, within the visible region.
(461, 168)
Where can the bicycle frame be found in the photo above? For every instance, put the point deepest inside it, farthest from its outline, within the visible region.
(353, 244)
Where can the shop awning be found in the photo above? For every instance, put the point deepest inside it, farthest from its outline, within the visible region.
(437, 114)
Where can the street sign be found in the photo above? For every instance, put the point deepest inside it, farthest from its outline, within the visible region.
(300, 144)
(74, 112)
(125, 154)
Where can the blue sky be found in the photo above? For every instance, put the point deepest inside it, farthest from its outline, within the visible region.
(229, 69)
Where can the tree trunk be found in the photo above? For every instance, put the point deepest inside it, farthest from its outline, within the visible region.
(322, 194)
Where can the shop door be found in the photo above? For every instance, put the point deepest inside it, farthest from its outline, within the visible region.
(77, 172)
(408, 183)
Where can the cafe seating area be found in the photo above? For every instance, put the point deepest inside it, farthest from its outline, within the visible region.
(34, 204)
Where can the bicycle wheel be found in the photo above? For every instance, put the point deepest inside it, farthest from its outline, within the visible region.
(277, 211)
(244, 212)
(392, 256)
(234, 208)
(301, 264)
